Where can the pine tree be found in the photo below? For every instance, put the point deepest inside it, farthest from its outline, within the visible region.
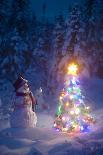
(47, 33)
(42, 51)
(16, 57)
(59, 32)
(44, 31)
(87, 37)
(15, 53)
(4, 16)
(88, 10)
(98, 18)
(57, 44)
(93, 19)
(32, 37)
(21, 16)
(44, 7)
(72, 31)
(98, 14)
(72, 113)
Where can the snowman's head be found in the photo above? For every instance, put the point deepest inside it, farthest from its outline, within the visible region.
(24, 88)
(21, 85)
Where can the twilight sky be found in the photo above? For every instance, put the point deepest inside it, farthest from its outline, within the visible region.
(53, 6)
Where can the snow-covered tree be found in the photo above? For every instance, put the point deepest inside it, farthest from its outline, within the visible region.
(92, 35)
(84, 45)
(98, 14)
(21, 16)
(59, 32)
(57, 44)
(42, 51)
(1, 110)
(88, 10)
(44, 37)
(4, 16)
(73, 27)
(98, 18)
(17, 57)
(32, 37)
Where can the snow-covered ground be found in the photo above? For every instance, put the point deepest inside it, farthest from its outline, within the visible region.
(44, 140)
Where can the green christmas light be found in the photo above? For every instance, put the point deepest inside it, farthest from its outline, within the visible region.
(59, 111)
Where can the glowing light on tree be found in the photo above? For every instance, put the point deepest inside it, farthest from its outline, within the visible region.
(72, 113)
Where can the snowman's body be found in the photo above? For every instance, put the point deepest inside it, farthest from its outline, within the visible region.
(23, 115)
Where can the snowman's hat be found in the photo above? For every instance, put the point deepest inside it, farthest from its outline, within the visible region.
(19, 82)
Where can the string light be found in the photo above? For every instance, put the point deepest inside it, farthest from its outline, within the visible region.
(71, 97)
(61, 98)
(63, 118)
(67, 104)
(87, 108)
(72, 114)
(77, 111)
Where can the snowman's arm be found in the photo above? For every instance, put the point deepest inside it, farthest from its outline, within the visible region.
(34, 101)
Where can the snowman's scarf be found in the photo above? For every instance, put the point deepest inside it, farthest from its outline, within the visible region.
(34, 102)
(22, 94)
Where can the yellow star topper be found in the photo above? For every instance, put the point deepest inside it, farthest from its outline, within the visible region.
(72, 69)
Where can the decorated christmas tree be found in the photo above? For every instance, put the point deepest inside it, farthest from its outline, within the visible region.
(72, 113)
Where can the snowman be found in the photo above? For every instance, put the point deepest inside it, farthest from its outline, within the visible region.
(23, 115)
